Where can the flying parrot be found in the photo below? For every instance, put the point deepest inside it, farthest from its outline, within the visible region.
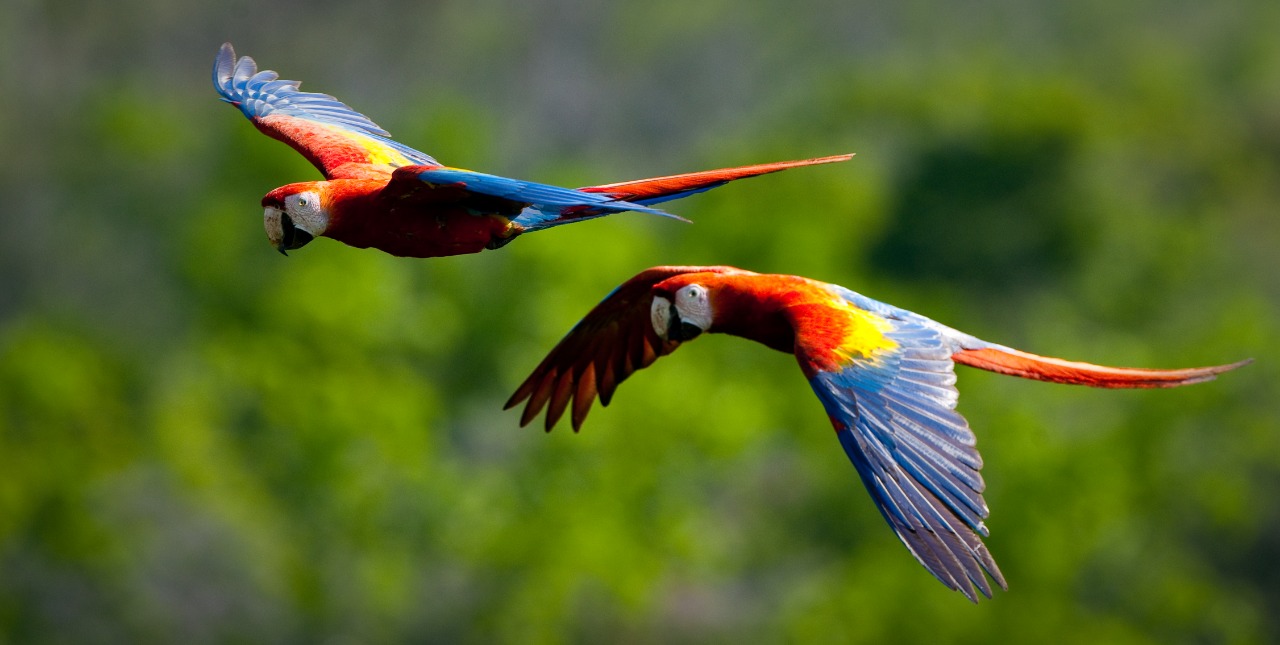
(383, 194)
(884, 375)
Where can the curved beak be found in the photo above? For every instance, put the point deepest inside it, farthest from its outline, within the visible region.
(680, 330)
(291, 237)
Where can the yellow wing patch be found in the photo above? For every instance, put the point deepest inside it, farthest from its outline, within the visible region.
(833, 334)
(379, 153)
(866, 334)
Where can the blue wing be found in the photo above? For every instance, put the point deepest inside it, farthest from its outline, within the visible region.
(263, 97)
(550, 204)
(895, 416)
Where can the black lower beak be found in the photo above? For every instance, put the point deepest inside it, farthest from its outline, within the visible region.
(679, 330)
(291, 237)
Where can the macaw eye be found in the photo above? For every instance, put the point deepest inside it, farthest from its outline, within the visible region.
(693, 306)
(302, 202)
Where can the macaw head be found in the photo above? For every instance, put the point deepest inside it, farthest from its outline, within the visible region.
(294, 215)
(736, 302)
(680, 311)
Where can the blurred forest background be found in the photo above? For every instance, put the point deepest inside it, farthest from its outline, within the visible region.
(202, 441)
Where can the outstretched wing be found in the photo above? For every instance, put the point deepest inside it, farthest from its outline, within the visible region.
(338, 140)
(888, 385)
(615, 339)
(553, 201)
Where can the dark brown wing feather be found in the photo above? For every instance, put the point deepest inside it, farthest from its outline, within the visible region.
(615, 339)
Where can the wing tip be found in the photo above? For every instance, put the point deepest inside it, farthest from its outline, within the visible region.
(224, 65)
(515, 399)
(259, 94)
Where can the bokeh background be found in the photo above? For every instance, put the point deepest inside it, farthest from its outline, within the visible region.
(202, 441)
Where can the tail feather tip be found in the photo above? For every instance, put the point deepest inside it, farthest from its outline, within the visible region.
(1044, 368)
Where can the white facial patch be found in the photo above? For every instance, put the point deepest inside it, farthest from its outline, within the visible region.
(660, 315)
(694, 306)
(305, 211)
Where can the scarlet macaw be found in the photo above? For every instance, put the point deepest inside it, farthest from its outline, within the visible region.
(885, 376)
(386, 195)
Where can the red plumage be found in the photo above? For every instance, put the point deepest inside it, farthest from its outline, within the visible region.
(883, 374)
(382, 194)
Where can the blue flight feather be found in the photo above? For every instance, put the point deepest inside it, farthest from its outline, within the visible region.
(549, 203)
(896, 420)
(259, 94)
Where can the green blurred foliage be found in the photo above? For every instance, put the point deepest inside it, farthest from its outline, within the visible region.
(203, 441)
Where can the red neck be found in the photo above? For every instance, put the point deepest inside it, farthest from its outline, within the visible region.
(349, 201)
(755, 307)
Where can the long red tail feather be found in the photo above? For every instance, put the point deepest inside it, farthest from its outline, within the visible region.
(1057, 370)
(661, 186)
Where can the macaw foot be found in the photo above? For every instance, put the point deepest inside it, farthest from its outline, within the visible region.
(499, 242)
